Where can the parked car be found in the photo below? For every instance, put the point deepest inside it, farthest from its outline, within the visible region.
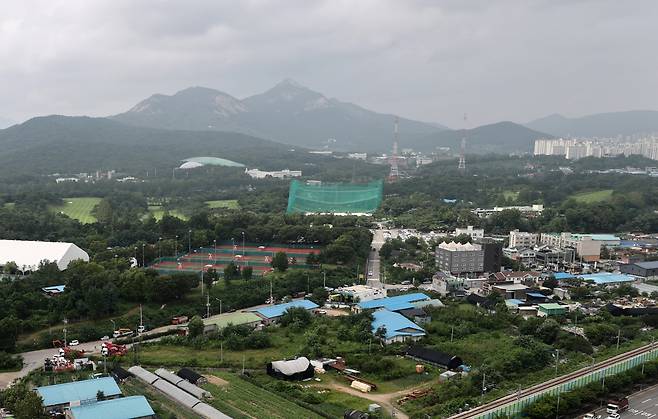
(74, 342)
(104, 338)
(614, 416)
(141, 329)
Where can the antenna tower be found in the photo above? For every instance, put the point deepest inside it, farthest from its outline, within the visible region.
(395, 172)
(462, 158)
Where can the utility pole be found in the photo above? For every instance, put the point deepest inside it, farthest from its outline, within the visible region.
(484, 379)
(557, 408)
(208, 306)
(189, 241)
(324, 281)
(452, 333)
(557, 360)
(65, 344)
(143, 258)
(221, 352)
(618, 337)
(243, 246)
(271, 294)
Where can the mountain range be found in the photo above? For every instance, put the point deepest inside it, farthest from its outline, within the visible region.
(610, 124)
(287, 113)
(6, 122)
(65, 144)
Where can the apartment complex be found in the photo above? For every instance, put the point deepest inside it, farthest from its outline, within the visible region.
(587, 248)
(518, 239)
(573, 149)
(457, 258)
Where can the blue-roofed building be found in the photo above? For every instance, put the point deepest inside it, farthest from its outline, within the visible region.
(604, 239)
(606, 278)
(272, 313)
(398, 328)
(60, 396)
(563, 275)
(399, 302)
(133, 407)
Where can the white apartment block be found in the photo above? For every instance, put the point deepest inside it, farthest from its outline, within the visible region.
(475, 233)
(519, 239)
(587, 249)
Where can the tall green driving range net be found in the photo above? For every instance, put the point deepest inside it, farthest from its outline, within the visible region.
(346, 198)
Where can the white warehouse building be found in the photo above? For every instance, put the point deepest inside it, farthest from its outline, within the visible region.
(29, 254)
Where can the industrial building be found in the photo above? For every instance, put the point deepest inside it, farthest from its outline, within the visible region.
(220, 321)
(644, 270)
(28, 255)
(457, 258)
(272, 313)
(399, 302)
(398, 328)
(276, 174)
(62, 396)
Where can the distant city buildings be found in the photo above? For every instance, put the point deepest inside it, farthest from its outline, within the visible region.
(574, 149)
(528, 210)
(277, 174)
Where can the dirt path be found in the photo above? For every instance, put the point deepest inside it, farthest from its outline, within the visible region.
(386, 400)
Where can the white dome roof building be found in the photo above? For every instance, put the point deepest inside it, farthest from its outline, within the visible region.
(29, 254)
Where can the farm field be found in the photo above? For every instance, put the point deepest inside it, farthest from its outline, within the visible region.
(242, 399)
(78, 208)
(593, 196)
(509, 194)
(158, 212)
(223, 203)
(161, 404)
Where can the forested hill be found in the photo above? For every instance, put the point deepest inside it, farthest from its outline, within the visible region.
(288, 112)
(59, 144)
(502, 137)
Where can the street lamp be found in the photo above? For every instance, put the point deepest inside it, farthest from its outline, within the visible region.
(220, 305)
(159, 248)
(176, 246)
(233, 247)
(114, 325)
(243, 244)
(214, 255)
(143, 259)
(189, 241)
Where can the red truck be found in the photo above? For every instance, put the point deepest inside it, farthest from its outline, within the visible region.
(110, 349)
(617, 406)
(179, 320)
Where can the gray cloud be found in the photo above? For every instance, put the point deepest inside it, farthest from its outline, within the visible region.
(431, 60)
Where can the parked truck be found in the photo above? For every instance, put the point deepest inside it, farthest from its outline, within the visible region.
(617, 406)
(122, 333)
(110, 349)
(179, 320)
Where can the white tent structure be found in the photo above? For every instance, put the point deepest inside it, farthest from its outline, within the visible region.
(29, 254)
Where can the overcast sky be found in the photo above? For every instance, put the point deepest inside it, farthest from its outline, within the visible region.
(431, 60)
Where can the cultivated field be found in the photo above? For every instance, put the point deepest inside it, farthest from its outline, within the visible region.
(593, 196)
(158, 212)
(78, 208)
(223, 203)
(242, 399)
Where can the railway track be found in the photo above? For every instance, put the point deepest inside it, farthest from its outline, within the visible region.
(539, 388)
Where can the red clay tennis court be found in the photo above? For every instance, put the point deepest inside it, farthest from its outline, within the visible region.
(259, 257)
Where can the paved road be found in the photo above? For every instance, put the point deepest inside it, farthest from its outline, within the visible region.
(374, 266)
(34, 359)
(643, 404)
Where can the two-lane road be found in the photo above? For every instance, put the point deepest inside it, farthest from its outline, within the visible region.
(643, 404)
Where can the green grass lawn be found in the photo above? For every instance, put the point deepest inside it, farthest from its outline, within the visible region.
(159, 212)
(9, 205)
(223, 203)
(593, 196)
(511, 195)
(242, 399)
(78, 208)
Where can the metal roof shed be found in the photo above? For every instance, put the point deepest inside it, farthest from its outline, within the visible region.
(62, 394)
(176, 393)
(122, 408)
(144, 375)
(209, 412)
(197, 392)
(169, 376)
(552, 309)
(272, 312)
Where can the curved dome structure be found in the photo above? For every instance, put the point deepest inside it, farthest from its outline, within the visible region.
(213, 161)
